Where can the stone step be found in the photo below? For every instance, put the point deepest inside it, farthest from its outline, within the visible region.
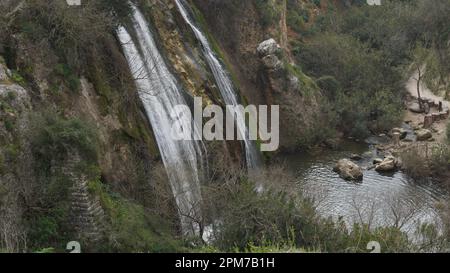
(78, 194)
(81, 200)
(88, 215)
(83, 205)
(97, 210)
(79, 188)
(84, 220)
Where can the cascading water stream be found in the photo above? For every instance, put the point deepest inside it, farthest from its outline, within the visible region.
(225, 86)
(160, 93)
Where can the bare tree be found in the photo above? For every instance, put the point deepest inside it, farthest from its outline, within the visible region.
(419, 80)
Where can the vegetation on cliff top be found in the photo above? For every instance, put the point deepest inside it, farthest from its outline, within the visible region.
(357, 60)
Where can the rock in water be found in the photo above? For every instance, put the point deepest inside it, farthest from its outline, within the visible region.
(389, 164)
(355, 157)
(424, 134)
(402, 132)
(377, 161)
(348, 170)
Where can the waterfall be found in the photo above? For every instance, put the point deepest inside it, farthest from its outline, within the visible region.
(160, 93)
(225, 86)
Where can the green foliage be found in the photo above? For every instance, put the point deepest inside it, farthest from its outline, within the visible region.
(308, 86)
(56, 137)
(448, 133)
(296, 21)
(131, 227)
(269, 11)
(48, 219)
(9, 125)
(440, 159)
(49, 227)
(46, 250)
(11, 96)
(2, 165)
(364, 89)
(299, 15)
(437, 158)
(120, 9)
(69, 77)
(16, 77)
(73, 33)
(6, 107)
(392, 239)
(323, 128)
(330, 86)
(11, 152)
(255, 219)
(9, 119)
(99, 77)
(361, 53)
(275, 221)
(437, 68)
(33, 30)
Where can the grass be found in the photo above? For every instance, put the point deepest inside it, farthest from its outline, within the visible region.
(308, 86)
(131, 228)
(17, 78)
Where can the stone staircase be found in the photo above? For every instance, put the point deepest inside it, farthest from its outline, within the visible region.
(87, 215)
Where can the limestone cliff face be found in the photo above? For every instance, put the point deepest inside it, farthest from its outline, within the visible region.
(237, 28)
(37, 85)
(124, 158)
(54, 91)
(44, 99)
(185, 58)
(297, 95)
(15, 162)
(265, 77)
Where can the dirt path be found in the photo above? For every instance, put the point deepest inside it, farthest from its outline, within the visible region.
(416, 120)
(425, 92)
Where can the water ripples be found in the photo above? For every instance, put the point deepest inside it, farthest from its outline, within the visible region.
(379, 199)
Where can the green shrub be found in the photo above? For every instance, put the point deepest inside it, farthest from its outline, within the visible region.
(2, 164)
(424, 161)
(269, 11)
(132, 228)
(329, 86)
(16, 77)
(55, 137)
(11, 96)
(448, 133)
(277, 221)
(362, 87)
(33, 30)
(50, 228)
(120, 9)
(70, 79)
(74, 33)
(440, 159)
(54, 140)
(295, 21)
(9, 125)
(46, 250)
(11, 152)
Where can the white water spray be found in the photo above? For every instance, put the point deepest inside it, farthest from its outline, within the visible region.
(159, 92)
(225, 86)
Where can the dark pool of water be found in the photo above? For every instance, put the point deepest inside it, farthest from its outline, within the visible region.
(380, 199)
